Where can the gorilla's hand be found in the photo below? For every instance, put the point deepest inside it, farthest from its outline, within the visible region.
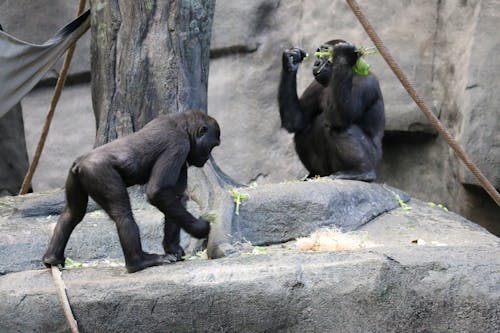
(199, 229)
(292, 59)
(345, 53)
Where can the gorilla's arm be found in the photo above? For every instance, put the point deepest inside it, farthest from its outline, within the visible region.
(372, 121)
(344, 109)
(161, 190)
(343, 104)
(291, 115)
(296, 114)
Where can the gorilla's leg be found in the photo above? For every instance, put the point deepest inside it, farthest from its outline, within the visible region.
(105, 185)
(356, 153)
(172, 239)
(76, 205)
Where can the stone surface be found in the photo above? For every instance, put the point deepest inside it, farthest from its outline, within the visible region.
(272, 214)
(26, 224)
(277, 213)
(455, 43)
(480, 135)
(450, 58)
(416, 289)
(448, 284)
(72, 132)
(13, 152)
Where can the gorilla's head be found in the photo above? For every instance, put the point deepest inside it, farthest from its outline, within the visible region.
(324, 59)
(204, 136)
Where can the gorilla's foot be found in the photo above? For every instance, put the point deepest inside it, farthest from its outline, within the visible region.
(50, 259)
(175, 250)
(369, 176)
(149, 260)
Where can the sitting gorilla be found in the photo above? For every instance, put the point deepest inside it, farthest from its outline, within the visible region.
(159, 155)
(339, 120)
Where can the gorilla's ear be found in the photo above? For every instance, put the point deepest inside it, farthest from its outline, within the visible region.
(201, 131)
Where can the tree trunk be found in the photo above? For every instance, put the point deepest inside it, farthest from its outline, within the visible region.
(149, 58)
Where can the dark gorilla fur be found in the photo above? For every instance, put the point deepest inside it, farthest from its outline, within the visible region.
(159, 155)
(339, 120)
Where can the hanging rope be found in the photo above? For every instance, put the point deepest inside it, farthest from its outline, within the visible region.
(50, 114)
(489, 188)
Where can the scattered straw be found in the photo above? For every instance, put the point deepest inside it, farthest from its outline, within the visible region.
(332, 239)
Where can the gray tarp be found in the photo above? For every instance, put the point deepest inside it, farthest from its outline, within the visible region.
(23, 64)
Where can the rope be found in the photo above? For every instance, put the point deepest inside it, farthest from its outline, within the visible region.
(50, 114)
(488, 187)
(63, 298)
(56, 273)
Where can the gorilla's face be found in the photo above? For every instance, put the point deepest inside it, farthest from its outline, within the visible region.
(207, 137)
(323, 64)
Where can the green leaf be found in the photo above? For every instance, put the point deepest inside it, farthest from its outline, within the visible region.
(259, 250)
(361, 67)
(70, 263)
(237, 198)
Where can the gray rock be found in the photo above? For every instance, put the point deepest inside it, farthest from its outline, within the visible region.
(72, 132)
(26, 224)
(451, 60)
(480, 136)
(448, 284)
(24, 240)
(13, 152)
(414, 289)
(272, 214)
(280, 212)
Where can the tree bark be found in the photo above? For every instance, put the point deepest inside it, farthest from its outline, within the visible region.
(148, 58)
(151, 57)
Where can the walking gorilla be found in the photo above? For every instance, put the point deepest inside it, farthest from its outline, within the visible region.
(339, 120)
(159, 155)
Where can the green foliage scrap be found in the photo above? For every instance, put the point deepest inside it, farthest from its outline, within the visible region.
(237, 198)
(5, 204)
(361, 67)
(260, 250)
(432, 204)
(400, 201)
(70, 263)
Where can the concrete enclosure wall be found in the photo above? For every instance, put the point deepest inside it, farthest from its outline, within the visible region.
(447, 48)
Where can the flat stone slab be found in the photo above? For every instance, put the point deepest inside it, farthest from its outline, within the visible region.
(277, 213)
(407, 289)
(431, 270)
(272, 214)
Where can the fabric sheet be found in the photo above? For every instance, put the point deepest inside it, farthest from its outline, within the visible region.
(23, 64)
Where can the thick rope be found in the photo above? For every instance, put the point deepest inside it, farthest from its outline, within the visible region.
(56, 273)
(50, 114)
(63, 299)
(488, 187)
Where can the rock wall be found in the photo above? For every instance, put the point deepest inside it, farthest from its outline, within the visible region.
(13, 155)
(415, 268)
(447, 48)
